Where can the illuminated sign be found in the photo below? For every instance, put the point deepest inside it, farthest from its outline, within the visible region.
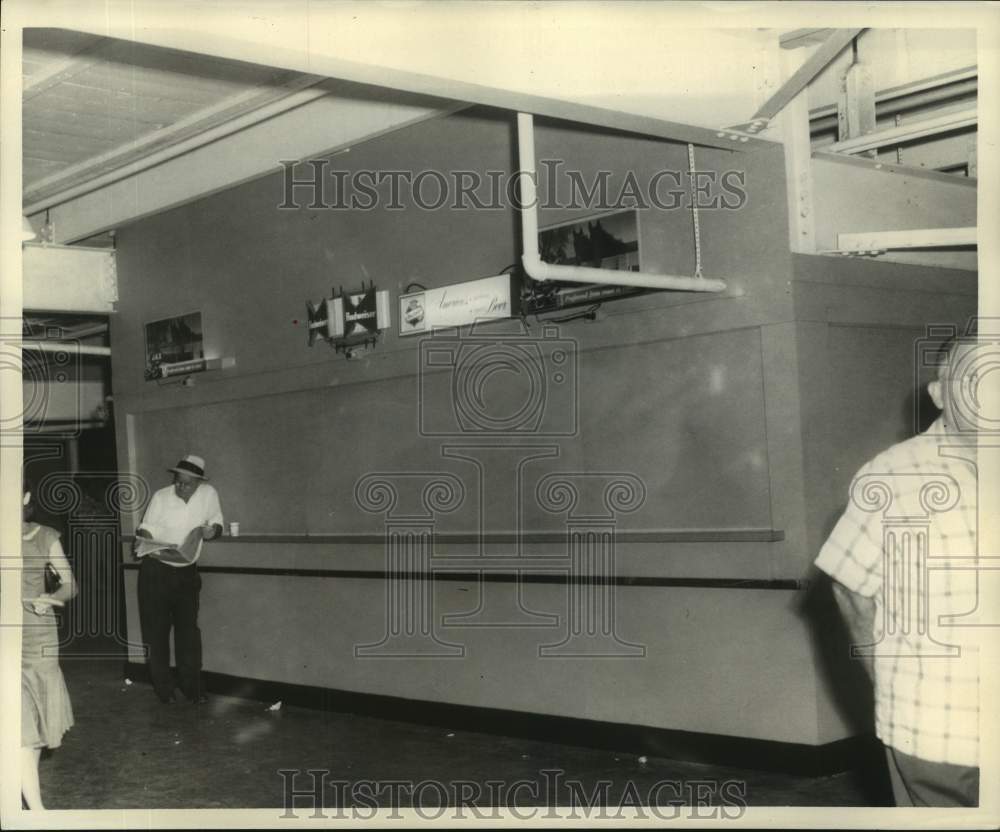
(359, 316)
(461, 304)
(349, 319)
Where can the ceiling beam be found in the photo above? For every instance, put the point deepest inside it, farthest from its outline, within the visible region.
(314, 129)
(834, 44)
(965, 80)
(797, 38)
(209, 124)
(907, 132)
(864, 241)
(907, 171)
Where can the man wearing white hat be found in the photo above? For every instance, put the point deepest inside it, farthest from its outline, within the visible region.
(181, 515)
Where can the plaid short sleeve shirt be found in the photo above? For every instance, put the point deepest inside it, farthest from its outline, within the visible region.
(908, 539)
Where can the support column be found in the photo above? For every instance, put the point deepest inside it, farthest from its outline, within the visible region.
(798, 163)
(856, 106)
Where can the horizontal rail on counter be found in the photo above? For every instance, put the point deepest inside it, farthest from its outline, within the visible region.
(446, 538)
(510, 576)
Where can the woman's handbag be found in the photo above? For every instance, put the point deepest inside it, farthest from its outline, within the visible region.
(52, 579)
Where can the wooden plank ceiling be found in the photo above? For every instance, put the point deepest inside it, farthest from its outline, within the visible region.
(94, 104)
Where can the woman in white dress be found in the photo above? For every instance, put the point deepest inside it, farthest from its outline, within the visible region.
(46, 712)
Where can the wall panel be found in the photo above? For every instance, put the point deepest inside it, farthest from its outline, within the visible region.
(254, 634)
(686, 418)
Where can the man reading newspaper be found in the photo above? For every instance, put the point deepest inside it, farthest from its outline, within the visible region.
(168, 542)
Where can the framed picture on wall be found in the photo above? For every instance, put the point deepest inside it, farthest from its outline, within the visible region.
(171, 340)
(608, 241)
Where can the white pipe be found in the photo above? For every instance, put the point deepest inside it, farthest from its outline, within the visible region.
(62, 346)
(540, 270)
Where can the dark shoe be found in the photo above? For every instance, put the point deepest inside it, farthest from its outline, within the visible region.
(167, 700)
(200, 699)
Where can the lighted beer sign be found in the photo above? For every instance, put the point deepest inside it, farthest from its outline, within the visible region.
(350, 321)
(460, 304)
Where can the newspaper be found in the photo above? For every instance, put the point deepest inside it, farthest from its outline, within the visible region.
(183, 553)
(47, 600)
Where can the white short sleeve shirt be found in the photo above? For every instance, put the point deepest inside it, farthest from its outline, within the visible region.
(170, 519)
(908, 539)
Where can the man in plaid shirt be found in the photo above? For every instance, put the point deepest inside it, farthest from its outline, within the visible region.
(896, 557)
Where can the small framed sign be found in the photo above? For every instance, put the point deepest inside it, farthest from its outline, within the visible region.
(609, 241)
(171, 341)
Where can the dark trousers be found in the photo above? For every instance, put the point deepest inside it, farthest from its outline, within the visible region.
(168, 598)
(917, 782)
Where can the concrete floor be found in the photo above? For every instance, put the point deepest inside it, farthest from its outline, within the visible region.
(128, 751)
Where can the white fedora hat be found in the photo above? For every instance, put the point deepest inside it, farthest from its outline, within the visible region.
(192, 465)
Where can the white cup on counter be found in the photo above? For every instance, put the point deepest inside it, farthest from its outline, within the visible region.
(234, 529)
